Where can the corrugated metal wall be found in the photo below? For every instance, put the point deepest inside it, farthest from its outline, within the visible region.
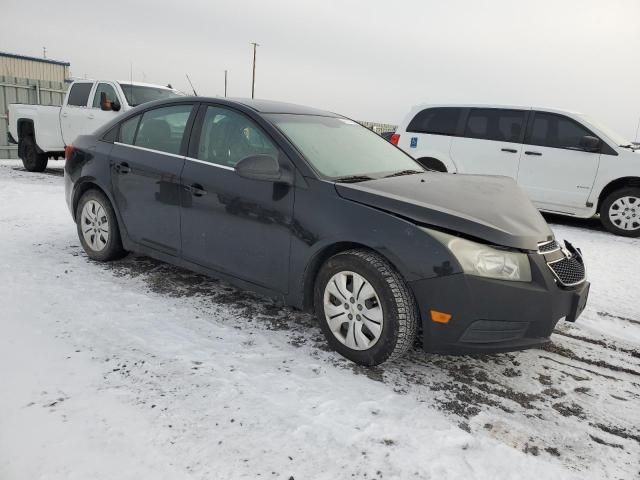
(36, 70)
(21, 90)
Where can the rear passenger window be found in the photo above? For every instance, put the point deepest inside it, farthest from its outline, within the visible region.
(436, 121)
(79, 94)
(495, 124)
(557, 131)
(162, 128)
(128, 130)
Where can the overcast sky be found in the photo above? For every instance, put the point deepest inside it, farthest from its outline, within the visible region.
(371, 60)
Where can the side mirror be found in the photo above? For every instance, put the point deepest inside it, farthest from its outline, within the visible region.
(263, 167)
(105, 105)
(590, 144)
(115, 106)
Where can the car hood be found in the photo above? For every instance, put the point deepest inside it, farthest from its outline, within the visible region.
(491, 208)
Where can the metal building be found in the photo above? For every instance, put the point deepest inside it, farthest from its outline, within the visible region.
(29, 80)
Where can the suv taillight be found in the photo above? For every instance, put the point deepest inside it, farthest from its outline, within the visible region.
(395, 138)
(68, 151)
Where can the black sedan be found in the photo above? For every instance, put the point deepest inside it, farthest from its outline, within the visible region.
(309, 207)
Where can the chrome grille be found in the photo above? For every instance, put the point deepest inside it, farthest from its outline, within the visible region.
(568, 270)
(548, 247)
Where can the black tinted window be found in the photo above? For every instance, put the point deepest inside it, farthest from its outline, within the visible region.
(495, 124)
(79, 94)
(112, 135)
(128, 130)
(228, 136)
(437, 121)
(551, 130)
(162, 128)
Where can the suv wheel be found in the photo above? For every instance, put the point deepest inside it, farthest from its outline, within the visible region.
(31, 159)
(98, 227)
(620, 212)
(365, 308)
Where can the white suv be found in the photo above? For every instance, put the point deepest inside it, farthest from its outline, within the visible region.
(566, 162)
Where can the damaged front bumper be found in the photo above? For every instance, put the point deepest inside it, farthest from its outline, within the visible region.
(489, 315)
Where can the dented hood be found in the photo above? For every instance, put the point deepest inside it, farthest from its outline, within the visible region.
(491, 208)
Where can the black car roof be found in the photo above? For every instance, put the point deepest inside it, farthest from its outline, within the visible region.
(261, 106)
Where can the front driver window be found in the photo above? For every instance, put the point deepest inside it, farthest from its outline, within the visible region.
(109, 92)
(228, 136)
(557, 131)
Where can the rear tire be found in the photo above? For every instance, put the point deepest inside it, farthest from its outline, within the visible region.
(371, 316)
(432, 164)
(620, 212)
(32, 160)
(98, 227)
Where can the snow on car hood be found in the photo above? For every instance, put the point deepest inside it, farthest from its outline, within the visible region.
(491, 208)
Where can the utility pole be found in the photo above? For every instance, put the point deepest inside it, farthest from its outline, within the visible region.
(253, 78)
(225, 83)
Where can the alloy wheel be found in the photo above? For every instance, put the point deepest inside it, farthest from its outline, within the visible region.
(353, 310)
(95, 225)
(624, 213)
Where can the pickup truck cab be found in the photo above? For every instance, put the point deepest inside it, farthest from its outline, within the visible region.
(44, 131)
(566, 162)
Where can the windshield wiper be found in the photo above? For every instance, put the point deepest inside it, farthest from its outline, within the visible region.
(404, 172)
(629, 146)
(353, 179)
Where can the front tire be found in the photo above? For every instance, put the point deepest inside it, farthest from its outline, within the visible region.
(365, 308)
(32, 160)
(620, 212)
(98, 227)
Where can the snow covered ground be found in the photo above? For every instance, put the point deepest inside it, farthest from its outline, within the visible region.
(140, 370)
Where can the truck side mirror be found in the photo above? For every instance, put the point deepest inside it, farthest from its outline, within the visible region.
(115, 106)
(105, 105)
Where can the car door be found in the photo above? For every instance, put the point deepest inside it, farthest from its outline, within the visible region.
(73, 116)
(555, 170)
(491, 143)
(146, 162)
(231, 224)
(96, 116)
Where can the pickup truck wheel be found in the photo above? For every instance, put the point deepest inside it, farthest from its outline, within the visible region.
(32, 160)
(365, 308)
(98, 227)
(620, 212)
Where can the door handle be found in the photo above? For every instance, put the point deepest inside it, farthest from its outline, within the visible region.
(122, 168)
(510, 150)
(195, 189)
(532, 153)
(90, 117)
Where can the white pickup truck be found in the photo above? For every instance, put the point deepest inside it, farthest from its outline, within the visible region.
(43, 131)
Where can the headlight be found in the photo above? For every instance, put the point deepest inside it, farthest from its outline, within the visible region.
(485, 261)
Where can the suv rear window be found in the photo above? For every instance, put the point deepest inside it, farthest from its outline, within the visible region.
(79, 94)
(436, 121)
(495, 124)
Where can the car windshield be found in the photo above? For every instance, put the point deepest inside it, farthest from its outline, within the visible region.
(339, 148)
(612, 134)
(137, 94)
